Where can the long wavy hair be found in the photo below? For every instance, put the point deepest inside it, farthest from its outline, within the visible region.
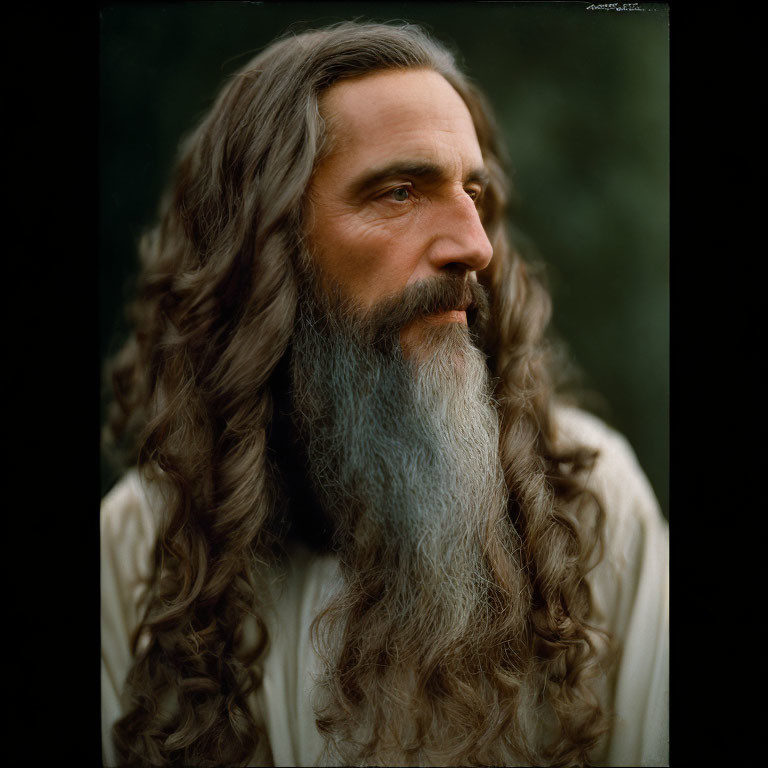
(194, 401)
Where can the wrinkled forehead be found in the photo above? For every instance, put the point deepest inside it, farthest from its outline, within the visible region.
(413, 111)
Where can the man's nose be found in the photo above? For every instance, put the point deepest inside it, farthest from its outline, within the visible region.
(458, 236)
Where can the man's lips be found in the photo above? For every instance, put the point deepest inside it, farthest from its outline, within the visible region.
(450, 316)
(455, 311)
(458, 315)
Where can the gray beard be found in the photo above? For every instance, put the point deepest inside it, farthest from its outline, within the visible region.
(402, 453)
(403, 457)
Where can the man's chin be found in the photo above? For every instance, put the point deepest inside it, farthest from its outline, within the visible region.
(445, 332)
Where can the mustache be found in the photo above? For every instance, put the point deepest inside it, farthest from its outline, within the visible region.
(428, 297)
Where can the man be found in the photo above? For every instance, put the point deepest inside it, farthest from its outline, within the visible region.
(361, 528)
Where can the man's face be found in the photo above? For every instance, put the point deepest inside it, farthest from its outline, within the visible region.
(396, 200)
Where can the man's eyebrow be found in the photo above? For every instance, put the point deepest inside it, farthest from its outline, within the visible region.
(479, 176)
(424, 171)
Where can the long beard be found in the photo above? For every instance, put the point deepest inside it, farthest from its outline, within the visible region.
(402, 453)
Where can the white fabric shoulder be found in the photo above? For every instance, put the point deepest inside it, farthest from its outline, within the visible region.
(130, 520)
(128, 528)
(631, 589)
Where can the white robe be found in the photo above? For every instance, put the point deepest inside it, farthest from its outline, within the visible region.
(630, 587)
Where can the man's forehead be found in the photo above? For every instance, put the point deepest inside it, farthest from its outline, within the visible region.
(408, 113)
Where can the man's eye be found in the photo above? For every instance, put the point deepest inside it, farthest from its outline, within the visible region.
(475, 194)
(400, 194)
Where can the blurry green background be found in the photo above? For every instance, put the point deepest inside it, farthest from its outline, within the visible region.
(582, 98)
